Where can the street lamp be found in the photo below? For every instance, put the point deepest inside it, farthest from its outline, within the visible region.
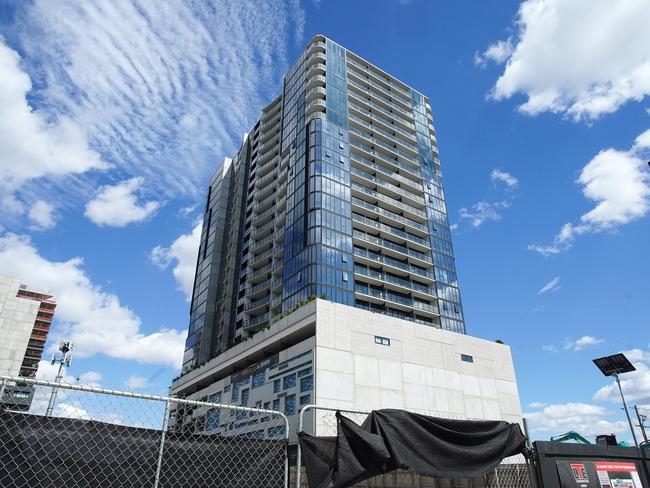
(64, 358)
(614, 366)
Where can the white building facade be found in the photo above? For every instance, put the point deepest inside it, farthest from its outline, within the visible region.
(342, 357)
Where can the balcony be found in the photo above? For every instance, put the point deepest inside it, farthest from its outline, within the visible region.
(405, 285)
(362, 204)
(405, 130)
(415, 186)
(391, 189)
(394, 299)
(388, 201)
(315, 81)
(317, 46)
(257, 304)
(388, 246)
(391, 136)
(380, 94)
(256, 322)
(317, 69)
(370, 137)
(392, 231)
(414, 172)
(378, 79)
(374, 258)
(317, 93)
(396, 117)
(315, 106)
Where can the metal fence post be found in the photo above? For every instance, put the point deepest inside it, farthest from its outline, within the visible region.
(162, 444)
(298, 453)
(2, 391)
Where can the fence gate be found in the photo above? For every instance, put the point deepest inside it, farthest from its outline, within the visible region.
(85, 436)
(513, 472)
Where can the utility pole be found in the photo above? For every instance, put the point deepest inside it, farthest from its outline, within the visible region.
(64, 358)
(642, 418)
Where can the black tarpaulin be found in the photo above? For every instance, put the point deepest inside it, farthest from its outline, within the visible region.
(396, 439)
(38, 451)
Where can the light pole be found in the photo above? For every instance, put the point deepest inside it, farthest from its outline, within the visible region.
(64, 358)
(613, 366)
(642, 418)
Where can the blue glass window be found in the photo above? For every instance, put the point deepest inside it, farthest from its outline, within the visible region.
(245, 394)
(288, 381)
(276, 404)
(258, 379)
(306, 383)
(290, 405)
(467, 358)
(277, 386)
(305, 400)
(212, 419)
(304, 372)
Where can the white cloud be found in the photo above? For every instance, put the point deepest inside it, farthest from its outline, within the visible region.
(588, 420)
(118, 205)
(497, 53)
(135, 382)
(537, 405)
(583, 342)
(91, 317)
(90, 378)
(582, 69)
(481, 212)
(619, 185)
(142, 79)
(507, 178)
(550, 348)
(32, 144)
(635, 385)
(552, 285)
(41, 214)
(183, 252)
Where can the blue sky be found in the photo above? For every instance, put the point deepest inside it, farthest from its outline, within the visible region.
(113, 117)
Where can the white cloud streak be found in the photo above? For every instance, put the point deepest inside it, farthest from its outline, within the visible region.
(507, 178)
(118, 205)
(583, 342)
(551, 286)
(619, 184)
(497, 53)
(162, 90)
(580, 69)
(42, 216)
(135, 382)
(93, 318)
(182, 252)
(482, 212)
(588, 420)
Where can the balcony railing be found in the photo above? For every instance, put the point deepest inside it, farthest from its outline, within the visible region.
(364, 253)
(391, 230)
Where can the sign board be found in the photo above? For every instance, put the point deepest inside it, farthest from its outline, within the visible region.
(598, 474)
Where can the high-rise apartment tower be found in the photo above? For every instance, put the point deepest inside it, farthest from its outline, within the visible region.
(337, 194)
(25, 319)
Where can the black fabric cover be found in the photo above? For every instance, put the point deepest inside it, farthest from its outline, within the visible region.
(396, 439)
(37, 451)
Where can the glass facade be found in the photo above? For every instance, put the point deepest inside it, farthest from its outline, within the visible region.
(336, 193)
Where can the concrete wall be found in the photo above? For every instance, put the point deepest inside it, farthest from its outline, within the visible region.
(421, 370)
(17, 316)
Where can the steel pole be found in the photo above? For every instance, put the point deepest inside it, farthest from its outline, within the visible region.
(162, 444)
(50, 405)
(641, 426)
(627, 414)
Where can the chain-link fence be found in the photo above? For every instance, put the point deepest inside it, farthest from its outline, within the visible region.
(513, 472)
(93, 437)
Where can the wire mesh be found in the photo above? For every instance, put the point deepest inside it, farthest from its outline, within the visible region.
(103, 438)
(513, 472)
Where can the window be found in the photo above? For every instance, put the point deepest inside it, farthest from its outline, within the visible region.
(267, 405)
(467, 358)
(288, 381)
(290, 405)
(305, 400)
(304, 372)
(276, 404)
(306, 384)
(384, 341)
(245, 394)
(345, 276)
(277, 386)
(212, 419)
(258, 379)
